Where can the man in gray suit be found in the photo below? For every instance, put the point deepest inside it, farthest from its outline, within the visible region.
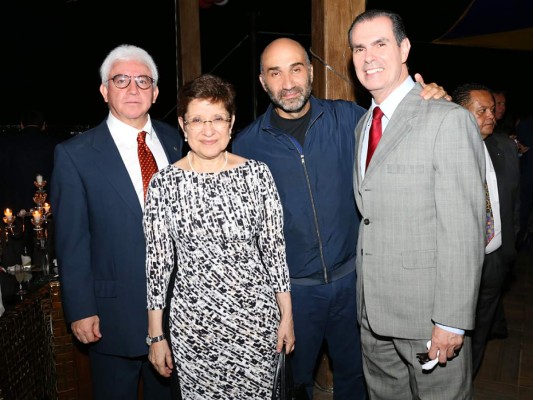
(421, 243)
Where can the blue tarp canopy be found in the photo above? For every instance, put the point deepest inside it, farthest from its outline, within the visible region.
(499, 24)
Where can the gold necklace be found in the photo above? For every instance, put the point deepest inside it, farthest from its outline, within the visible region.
(189, 160)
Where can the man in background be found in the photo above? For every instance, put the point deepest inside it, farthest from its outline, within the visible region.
(504, 119)
(505, 122)
(502, 177)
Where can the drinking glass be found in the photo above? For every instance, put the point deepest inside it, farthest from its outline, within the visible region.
(20, 274)
(26, 259)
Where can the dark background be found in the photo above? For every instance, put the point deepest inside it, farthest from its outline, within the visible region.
(52, 50)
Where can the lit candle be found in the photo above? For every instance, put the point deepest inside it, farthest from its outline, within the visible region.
(46, 207)
(8, 212)
(39, 179)
(36, 216)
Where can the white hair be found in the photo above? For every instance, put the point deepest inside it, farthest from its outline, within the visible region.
(127, 52)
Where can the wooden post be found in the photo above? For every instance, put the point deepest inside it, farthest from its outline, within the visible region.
(188, 55)
(330, 21)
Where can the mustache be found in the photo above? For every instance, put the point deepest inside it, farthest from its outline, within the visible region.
(291, 91)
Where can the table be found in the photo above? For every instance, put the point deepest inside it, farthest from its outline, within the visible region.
(38, 358)
(26, 360)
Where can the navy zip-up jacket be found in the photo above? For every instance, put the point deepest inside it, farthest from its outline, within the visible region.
(321, 221)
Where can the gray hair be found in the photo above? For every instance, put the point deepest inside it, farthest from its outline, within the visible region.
(127, 52)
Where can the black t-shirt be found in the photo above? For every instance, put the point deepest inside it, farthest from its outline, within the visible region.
(294, 127)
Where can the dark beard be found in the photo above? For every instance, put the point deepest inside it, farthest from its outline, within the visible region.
(294, 106)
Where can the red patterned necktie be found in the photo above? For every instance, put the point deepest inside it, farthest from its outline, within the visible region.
(374, 133)
(489, 234)
(146, 160)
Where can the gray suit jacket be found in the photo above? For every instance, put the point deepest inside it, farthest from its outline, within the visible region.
(421, 240)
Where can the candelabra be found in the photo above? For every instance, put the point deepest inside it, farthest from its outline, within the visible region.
(17, 235)
(40, 195)
(9, 220)
(39, 221)
(39, 226)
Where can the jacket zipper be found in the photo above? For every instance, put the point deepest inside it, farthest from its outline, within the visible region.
(315, 216)
(321, 251)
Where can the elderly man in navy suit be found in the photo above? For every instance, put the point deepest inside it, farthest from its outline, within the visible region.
(97, 196)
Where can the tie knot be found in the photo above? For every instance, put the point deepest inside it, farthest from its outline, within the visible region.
(377, 113)
(141, 137)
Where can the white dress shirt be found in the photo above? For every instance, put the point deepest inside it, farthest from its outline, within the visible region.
(125, 137)
(388, 107)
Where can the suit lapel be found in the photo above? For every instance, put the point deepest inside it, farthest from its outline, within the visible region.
(360, 129)
(498, 161)
(108, 160)
(172, 151)
(496, 154)
(400, 125)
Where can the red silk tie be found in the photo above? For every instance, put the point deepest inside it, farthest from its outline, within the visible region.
(146, 160)
(374, 133)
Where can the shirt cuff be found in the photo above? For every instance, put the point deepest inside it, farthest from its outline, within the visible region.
(450, 329)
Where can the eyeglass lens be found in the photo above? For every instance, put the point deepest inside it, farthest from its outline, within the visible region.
(122, 81)
(197, 124)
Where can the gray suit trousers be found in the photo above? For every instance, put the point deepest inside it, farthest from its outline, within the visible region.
(393, 371)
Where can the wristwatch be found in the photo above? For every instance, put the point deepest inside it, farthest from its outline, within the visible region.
(152, 340)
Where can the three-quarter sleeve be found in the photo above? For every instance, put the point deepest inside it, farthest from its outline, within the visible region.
(271, 239)
(159, 244)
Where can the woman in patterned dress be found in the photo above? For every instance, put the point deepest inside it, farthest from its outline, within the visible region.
(217, 218)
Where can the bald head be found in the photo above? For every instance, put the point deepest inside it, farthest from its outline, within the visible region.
(280, 48)
(287, 75)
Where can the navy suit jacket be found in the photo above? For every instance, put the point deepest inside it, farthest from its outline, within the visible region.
(100, 241)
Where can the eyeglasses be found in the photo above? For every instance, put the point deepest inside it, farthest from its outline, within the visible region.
(197, 124)
(122, 81)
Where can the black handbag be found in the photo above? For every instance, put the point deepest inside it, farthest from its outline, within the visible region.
(174, 378)
(284, 388)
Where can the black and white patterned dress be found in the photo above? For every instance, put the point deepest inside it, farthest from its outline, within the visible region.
(227, 229)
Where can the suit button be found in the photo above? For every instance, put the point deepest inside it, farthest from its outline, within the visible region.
(366, 221)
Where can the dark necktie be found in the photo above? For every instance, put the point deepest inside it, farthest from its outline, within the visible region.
(374, 133)
(489, 231)
(146, 160)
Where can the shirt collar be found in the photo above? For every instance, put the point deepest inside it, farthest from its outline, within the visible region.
(118, 126)
(391, 102)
